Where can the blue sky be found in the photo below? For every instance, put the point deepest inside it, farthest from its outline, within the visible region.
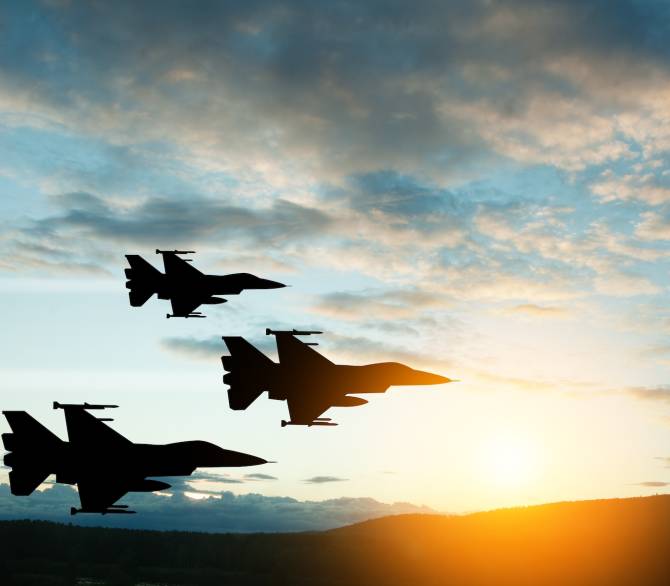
(477, 188)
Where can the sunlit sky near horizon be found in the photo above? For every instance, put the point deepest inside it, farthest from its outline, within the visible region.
(476, 188)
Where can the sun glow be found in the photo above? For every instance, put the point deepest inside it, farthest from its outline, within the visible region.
(509, 460)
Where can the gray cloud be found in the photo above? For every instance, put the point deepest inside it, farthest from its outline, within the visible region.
(259, 476)
(181, 221)
(399, 303)
(55, 241)
(212, 476)
(226, 512)
(352, 86)
(323, 479)
(653, 484)
(196, 348)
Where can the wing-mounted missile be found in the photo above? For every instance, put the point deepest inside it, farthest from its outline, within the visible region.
(57, 405)
(175, 251)
(293, 332)
(321, 421)
(192, 314)
(111, 510)
(158, 251)
(85, 406)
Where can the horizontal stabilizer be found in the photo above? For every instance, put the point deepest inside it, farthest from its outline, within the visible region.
(32, 448)
(23, 481)
(143, 279)
(248, 371)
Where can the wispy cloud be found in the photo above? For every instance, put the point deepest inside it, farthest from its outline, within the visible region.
(323, 479)
(540, 311)
(259, 476)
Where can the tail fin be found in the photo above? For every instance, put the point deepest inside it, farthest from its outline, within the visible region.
(142, 281)
(32, 450)
(248, 372)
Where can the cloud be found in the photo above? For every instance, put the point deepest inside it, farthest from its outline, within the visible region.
(181, 221)
(653, 484)
(392, 304)
(55, 241)
(352, 88)
(660, 393)
(642, 188)
(622, 284)
(226, 512)
(323, 479)
(539, 311)
(259, 476)
(204, 349)
(653, 226)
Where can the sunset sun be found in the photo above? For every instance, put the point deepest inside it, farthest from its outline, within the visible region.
(508, 460)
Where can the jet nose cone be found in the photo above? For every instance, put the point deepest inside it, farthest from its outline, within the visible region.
(231, 458)
(268, 284)
(419, 377)
(206, 455)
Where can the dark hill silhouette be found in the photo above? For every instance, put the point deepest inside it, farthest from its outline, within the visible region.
(608, 542)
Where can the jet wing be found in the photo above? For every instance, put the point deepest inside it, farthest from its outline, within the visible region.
(178, 268)
(86, 429)
(185, 303)
(304, 409)
(98, 493)
(296, 354)
(24, 480)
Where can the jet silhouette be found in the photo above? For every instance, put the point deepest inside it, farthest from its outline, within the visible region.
(309, 382)
(184, 285)
(101, 462)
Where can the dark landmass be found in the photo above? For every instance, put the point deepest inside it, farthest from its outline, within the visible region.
(606, 542)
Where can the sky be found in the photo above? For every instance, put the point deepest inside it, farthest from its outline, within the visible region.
(476, 188)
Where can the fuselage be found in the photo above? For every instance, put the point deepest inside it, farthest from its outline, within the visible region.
(71, 461)
(338, 380)
(208, 285)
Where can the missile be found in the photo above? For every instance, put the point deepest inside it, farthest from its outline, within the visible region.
(194, 314)
(57, 405)
(317, 421)
(113, 510)
(175, 251)
(293, 332)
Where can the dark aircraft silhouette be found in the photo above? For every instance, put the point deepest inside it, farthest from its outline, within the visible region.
(184, 285)
(306, 380)
(101, 462)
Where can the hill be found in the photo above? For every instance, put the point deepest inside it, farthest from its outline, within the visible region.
(613, 542)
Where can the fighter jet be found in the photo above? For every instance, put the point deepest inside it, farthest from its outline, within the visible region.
(309, 382)
(184, 285)
(101, 462)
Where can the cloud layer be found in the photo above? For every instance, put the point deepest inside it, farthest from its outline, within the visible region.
(219, 512)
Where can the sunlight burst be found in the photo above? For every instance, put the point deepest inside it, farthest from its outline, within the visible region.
(509, 460)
